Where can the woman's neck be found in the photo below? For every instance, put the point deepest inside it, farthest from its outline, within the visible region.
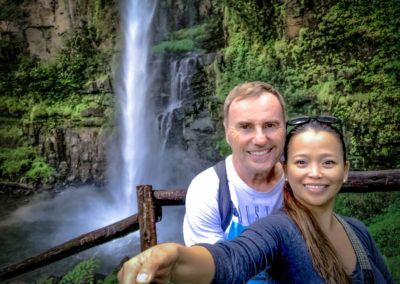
(325, 219)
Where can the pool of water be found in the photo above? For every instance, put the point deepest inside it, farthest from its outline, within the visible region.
(32, 225)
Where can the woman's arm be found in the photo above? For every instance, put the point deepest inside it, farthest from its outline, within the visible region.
(169, 262)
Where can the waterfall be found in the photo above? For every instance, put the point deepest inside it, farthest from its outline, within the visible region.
(48, 220)
(137, 129)
(142, 153)
(182, 71)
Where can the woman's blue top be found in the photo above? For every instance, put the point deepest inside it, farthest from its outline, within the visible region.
(276, 244)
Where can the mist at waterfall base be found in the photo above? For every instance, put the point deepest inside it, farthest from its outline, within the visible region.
(139, 156)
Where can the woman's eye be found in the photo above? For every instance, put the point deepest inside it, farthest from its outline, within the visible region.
(329, 163)
(300, 162)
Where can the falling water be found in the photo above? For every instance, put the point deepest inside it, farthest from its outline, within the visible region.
(138, 132)
(182, 71)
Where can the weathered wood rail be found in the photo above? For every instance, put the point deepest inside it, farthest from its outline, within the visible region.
(150, 204)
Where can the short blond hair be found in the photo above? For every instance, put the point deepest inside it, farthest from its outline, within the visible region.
(252, 89)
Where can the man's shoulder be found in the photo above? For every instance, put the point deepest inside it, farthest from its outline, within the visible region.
(204, 183)
(207, 175)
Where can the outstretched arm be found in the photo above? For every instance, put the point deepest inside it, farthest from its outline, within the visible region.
(169, 262)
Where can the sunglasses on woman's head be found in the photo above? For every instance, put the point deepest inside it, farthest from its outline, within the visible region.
(322, 118)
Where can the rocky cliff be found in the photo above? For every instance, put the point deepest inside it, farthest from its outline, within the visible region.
(71, 140)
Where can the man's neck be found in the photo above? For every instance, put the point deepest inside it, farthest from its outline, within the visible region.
(262, 182)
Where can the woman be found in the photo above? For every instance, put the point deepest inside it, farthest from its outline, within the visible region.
(305, 242)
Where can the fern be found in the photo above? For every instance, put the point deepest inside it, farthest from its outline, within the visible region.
(82, 273)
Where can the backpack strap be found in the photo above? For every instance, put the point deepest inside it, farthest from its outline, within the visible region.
(359, 251)
(224, 196)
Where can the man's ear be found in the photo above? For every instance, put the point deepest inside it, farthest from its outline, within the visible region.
(226, 133)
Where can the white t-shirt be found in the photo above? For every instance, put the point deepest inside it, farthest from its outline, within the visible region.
(202, 222)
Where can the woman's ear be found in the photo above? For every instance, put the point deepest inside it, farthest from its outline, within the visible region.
(284, 167)
(346, 170)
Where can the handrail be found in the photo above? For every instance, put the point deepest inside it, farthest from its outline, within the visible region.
(83, 242)
(150, 204)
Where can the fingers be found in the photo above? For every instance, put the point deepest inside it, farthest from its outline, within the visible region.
(136, 270)
(153, 263)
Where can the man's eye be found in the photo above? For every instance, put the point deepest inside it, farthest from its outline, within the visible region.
(269, 125)
(245, 126)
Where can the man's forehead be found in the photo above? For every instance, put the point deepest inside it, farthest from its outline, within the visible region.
(267, 100)
(257, 96)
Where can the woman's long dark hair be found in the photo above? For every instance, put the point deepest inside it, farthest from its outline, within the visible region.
(323, 254)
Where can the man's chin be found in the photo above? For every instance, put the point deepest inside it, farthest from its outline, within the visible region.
(261, 168)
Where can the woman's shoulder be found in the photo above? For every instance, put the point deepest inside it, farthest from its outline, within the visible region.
(359, 228)
(354, 223)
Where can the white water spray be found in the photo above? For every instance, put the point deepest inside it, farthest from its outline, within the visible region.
(138, 132)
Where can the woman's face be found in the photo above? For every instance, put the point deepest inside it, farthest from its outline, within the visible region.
(315, 168)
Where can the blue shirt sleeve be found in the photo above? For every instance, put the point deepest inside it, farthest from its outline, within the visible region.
(276, 244)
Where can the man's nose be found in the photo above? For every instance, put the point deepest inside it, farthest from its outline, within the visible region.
(260, 138)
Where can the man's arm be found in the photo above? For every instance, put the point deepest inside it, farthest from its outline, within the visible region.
(202, 222)
(169, 262)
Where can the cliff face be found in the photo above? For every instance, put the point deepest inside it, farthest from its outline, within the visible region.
(73, 144)
(69, 142)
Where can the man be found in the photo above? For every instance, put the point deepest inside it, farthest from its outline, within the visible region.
(254, 122)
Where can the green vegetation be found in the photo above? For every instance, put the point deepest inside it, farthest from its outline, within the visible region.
(344, 61)
(86, 55)
(48, 92)
(224, 148)
(175, 45)
(83, 273)
(23, 162)
(11, 132)
(184, 40)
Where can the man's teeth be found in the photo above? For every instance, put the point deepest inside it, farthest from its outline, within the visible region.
(315, 186)
(260, 153)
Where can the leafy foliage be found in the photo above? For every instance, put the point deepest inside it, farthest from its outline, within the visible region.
(176, 45)
(189, 39)
(224, 148)
(23, 162)
(12, 10)
(344, 62)
(82, 273)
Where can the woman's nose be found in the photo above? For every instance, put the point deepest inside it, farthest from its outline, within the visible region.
(315, 171)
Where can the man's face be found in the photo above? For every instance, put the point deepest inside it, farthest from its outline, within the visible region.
(255, 130)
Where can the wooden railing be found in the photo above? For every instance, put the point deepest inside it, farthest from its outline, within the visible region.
(150, 204)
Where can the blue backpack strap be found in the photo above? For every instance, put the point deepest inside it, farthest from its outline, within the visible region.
(224, 196)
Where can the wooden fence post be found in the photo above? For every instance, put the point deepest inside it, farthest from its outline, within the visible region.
(147, 216)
